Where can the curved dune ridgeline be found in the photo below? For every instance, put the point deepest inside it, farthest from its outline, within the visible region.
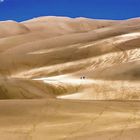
(76, 73)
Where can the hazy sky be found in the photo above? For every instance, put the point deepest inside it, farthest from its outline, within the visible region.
(106, 9)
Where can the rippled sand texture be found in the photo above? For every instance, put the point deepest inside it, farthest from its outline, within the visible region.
(70, 79)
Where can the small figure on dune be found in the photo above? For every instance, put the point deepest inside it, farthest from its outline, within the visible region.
(82, 77)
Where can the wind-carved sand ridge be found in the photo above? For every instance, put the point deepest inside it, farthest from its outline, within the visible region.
(70, 78)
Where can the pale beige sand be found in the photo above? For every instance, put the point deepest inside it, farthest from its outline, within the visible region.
(44, 59)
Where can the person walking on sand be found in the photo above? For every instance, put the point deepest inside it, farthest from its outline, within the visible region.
(82, 77)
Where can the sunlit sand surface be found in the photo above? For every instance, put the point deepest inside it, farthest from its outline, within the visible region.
(70, 79)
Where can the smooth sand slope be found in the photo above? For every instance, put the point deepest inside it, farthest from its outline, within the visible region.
(11, 28)
(69, 120)
(81, 78)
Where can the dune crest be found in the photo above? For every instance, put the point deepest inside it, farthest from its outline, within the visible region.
(11, 28)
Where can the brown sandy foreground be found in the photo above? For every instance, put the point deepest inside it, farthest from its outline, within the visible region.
(70, 79)
(69, 120)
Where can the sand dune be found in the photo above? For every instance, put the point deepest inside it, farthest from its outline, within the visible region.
(65, 25)
(61, 119)
(70, 70)
(10, 28)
